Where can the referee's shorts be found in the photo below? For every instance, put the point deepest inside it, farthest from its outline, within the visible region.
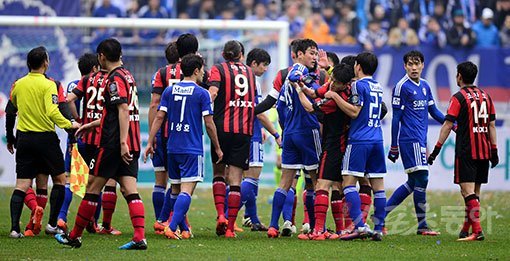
(38, 153)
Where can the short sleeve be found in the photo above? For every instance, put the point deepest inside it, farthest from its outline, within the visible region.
(453, 110)
(163, 104)
(214, 76)
(79, 90)
(118, 90)
(492, 109)
(60, 92)
(206, 103)
(157, 83)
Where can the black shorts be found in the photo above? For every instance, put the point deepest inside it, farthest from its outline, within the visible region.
(38, 153)
(236, 149)
(108, 163)
(330, 166)
(87, 152)
(469, 170)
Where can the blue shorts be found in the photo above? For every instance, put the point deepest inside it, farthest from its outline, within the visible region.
(160, 155)
(301, 150)
(185, 168)
(256, 154)
(364, 159)
(414, 156)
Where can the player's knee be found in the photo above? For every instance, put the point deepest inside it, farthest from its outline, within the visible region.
(421, 178)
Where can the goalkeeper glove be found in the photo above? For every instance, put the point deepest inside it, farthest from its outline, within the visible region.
(393, 154)
(434, 153)
(494, 156)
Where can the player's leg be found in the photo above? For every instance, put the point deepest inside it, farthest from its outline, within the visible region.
(62, 216)
(337, 205)
(420, 202)
(16, 205)
(219, 186)
(161, 175)
(310, 148)
(108, 202)
(289, 207)
(249, 191)
(376, 169)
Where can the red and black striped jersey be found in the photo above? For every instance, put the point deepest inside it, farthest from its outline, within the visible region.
(120, 87)
(166, 76)
(234, 107)
(91, 89)
(60, 89)
(473, 110)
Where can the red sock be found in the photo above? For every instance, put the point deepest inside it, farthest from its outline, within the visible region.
(30, 199)
(347, 217)
(108, 202)
(467, 224)
(219, 192)
(305, 215)
(85, 214)
(42, 197)
(321, 209)
(474, 213)
(234, 202)
(294, 210)
(366, 201)
(338, 215)
(137, 214)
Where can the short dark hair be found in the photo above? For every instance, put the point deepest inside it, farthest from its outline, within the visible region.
(171, 53)
(242, 47)
(190, 62)
(110, 48)
(304, 44)
(186, 44)
(412, 55)
(468, 71)
(343, 73)
(293, 45)
(333, 57)
(258, 56)
(368, 62)
(36, 58)
(87, 62)
(349, 59)
(232, 50)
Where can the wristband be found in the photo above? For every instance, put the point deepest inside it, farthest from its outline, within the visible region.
(276, 135)
(330, 70)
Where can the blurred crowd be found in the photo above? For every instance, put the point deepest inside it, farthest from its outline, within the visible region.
(370, 23)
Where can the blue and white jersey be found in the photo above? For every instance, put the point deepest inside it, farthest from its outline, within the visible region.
(70, 88)
(257, 126)
(366, 128)
(185, 104)
(297, 119)
(414, 100)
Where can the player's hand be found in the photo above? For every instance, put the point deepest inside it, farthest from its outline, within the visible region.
(82, 130)
(393, 154)
(330, 94)
(75, 125)
(219, 152)
(279, 141)
(494, 157)
(149, 152)
(11, 147)
(434, 154)
(323, 59)
(124, 153)
(155, 143)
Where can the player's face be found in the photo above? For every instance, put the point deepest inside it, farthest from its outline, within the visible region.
(414, 67)
(200, 74)
(309, 58)
(259, 69)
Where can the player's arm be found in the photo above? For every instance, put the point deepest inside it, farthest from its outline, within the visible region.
(302, 98)
(52, 110)
(395, 129)
(153, 108)
(71, 97)
(272, 96)
(156, 125)
(450, 118)
(214, 82)
(436, 113)
(268, 125)
(492, 135)
(124, 129)
(350, 109)
(213, 135)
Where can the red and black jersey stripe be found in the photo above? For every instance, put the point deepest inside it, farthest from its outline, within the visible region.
(473, 110)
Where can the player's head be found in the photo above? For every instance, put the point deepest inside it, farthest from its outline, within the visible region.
(88, 63)
(242, 51)
(192, 65)
(38, 58)
(307, 53)
(186, 44)
(414, 63)
(171, 53)
(466, 73)
(293, 50)
(332, 58)
(366, 64)
(341, 76)
(108, 50)
(349, 59)
(258, 59)
(232, 51)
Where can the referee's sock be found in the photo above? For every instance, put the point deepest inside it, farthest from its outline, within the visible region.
(57, 196)
(85, 214)
(16, 208)
(67, 202)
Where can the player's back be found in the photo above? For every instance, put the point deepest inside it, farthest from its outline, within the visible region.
(366, 128)
(166, 76)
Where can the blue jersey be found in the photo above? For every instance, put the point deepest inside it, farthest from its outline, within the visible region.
(185, 104)
(297, 119)
(70, 88)
(257, 126)
(366, 128)
(413, 99)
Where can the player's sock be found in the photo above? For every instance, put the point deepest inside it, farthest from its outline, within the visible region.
(305, 209)
(109, 200)
(181, 208)
(85, 214)
(137, 214)
(184, 225)
(399, 195)
(310, 198)
(278, 201)
(219, 192)
(354, 203)
(67, 202)
(288, 206)
(337, 206)
(365, 195)
(234, 202)
(346, 212)
(98, 209)
(158, 199)
(379, 209)
(467, 222)
(170, 198)
(41, 197)
(56, 199)
(420, 197)
(321, 209)
(30, 199)
(16, 208)
(225, 206)
(473, 206)
(248, 195)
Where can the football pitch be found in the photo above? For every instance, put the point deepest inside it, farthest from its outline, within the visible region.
(446, 215)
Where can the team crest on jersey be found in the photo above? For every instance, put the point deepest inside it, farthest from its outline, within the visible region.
(424, 91)
(54, 99)
(113, 88)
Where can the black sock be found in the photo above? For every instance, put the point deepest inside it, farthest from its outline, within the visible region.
(56, 200)
(16, 208)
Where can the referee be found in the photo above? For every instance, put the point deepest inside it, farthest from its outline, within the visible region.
(35, 99)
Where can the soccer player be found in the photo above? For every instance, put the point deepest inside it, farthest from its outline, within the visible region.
(186, 104)
(475, 144)
(35, 98)
(412, 103)
(365, 152)
(119, 148)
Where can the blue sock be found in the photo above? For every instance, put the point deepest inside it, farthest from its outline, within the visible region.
(225, 208)
(354, 203)
(249, 199)
(278, 202)
(379, 209)
(310, 206)
(399, 195)
(158, 198)
(420, 197)
(180, 209)
(98, 208)
(289, 204)
(164, 214)
(65, 205)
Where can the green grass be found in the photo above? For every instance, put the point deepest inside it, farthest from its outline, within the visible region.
(255, 245)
